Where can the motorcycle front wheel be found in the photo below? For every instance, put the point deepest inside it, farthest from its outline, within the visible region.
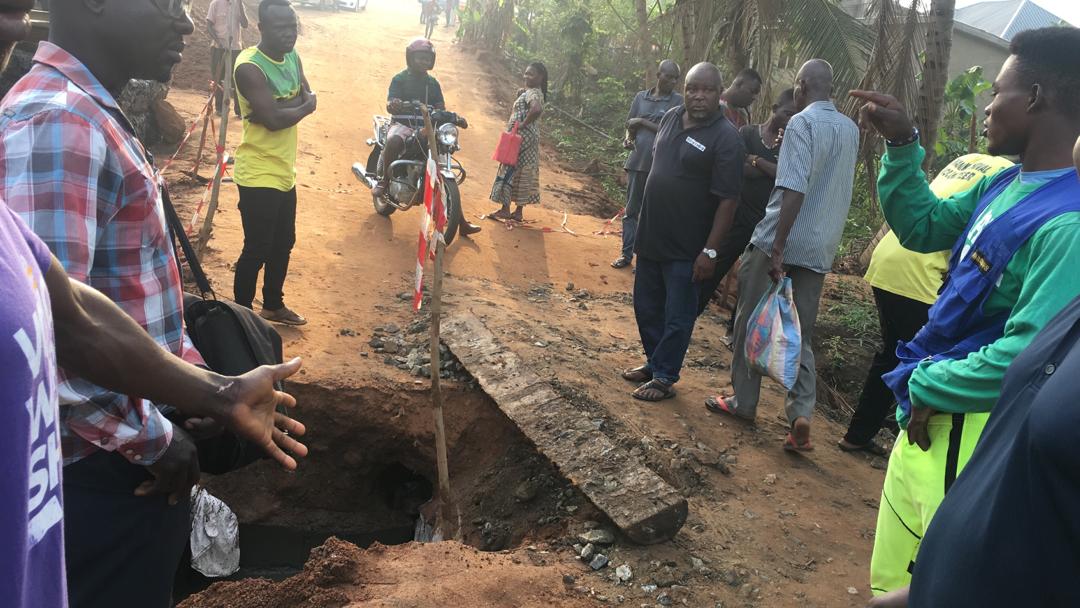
(453, 211)
(382, 207)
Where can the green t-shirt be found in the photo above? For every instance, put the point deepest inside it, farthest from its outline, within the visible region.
(407, 86)
(265, 158)
(1036, 284)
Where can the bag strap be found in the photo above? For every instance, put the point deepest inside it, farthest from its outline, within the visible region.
(176, 228)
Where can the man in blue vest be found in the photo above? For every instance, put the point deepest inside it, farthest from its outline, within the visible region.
(1015, 242)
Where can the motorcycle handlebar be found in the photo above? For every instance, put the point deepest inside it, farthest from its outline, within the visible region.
(437, 116)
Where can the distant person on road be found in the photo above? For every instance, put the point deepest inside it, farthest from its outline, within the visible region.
(905, 285)
(742, 94)
(274, 97)
(762, 144)
(690, 199)
(413, 85)
(798, 238)
(1015, 240)
(521, 184)
(225, 43)
(451, 8)
(646, 110)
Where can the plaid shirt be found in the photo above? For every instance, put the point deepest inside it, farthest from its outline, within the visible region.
(71, 166)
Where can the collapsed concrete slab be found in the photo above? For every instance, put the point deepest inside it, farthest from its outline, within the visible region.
(645, 507)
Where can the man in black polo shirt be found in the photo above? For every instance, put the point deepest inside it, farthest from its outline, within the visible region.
(690, 199)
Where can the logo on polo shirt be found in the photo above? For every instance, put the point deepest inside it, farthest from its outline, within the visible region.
(697, 144)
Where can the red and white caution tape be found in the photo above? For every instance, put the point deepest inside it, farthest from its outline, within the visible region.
(607, 229)
(529, 225)
(432, 226)
(223, 169)
(191, 129)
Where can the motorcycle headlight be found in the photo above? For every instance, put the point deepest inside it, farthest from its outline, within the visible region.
(448, 135)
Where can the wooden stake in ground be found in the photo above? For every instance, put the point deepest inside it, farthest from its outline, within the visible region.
(445, 520)
(445, 511)
(226, 109)
(205, 125)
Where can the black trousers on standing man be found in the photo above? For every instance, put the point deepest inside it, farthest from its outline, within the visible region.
(901, 318)
(121, 549)
(269, 220)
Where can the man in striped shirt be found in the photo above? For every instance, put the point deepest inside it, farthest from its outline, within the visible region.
(798, 238)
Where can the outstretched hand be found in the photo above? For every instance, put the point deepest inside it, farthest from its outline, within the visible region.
(884, 114)
(251, 412)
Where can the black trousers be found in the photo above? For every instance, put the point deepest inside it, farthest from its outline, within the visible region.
(122, 549)
(901, 318)
(269, 220)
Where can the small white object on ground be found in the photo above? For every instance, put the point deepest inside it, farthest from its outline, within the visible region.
(215, 535)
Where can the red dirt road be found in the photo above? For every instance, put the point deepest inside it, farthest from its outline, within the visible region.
(348, 259)
(780, 530)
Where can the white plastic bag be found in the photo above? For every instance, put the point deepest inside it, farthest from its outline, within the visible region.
(773, 336)
(215, 535)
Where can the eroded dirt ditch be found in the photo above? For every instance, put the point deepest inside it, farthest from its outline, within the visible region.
(371, 467)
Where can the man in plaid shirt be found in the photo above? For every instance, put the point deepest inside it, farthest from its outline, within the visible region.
(72, 167)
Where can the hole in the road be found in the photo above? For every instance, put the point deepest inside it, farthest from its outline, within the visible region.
(370, 468)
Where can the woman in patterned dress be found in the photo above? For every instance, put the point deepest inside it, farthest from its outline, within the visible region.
(521, 184)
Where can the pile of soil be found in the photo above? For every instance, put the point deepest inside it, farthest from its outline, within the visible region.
(444, 574)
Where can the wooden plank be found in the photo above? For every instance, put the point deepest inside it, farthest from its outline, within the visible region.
(637, 500)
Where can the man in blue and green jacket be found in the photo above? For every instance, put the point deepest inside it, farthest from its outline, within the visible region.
(1015, 242)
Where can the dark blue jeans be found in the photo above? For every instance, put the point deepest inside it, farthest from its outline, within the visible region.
(635, 195)
(666, 305)
(122, 549)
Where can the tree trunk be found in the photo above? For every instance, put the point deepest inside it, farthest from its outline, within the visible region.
(697, 19)
(686, 25)
(973, 133)
(644, 38)
(740, 40)
(935, 73)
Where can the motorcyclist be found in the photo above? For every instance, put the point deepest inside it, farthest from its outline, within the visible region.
(414, 84)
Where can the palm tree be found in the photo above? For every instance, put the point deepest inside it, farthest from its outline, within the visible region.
(935, 73)
(753, 33)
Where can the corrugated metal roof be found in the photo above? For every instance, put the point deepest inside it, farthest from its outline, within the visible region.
(1006, 18)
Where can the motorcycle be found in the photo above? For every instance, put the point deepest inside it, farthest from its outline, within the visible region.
(408, 173)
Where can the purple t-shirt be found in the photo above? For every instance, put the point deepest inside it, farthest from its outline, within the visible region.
(31, 507)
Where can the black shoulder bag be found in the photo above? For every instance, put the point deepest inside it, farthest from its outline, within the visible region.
(232, 339)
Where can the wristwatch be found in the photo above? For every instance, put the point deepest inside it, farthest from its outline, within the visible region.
(711, 253)
(914, 137)
(753, 161)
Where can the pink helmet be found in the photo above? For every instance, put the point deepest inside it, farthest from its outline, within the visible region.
(419, 45)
